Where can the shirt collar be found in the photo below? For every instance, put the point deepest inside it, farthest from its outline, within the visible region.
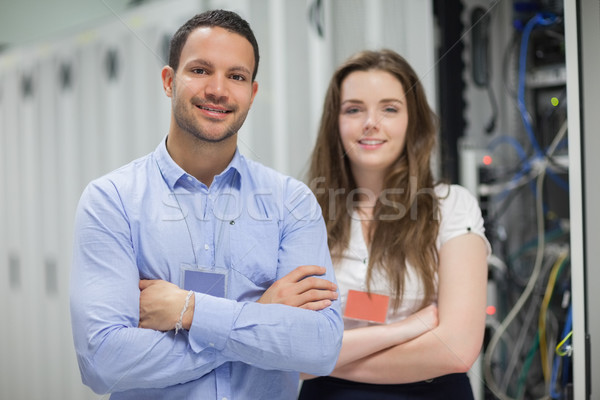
(172, 172)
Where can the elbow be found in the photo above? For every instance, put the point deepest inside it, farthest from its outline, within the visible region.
(463, 365)
(326, 363)
(97, 386)
(462, 348)
(322, 362)
(92, 377)
(464, 358)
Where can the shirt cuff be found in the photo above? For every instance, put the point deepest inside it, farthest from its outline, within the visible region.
(212, 322)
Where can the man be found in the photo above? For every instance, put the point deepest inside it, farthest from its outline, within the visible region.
(180, 256)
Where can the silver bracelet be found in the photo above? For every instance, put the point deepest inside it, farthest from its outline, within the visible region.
(179, 324)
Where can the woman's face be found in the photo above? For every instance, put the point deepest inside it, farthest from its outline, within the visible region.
(373, 120)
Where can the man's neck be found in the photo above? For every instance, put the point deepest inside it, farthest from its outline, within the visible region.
(203, 160)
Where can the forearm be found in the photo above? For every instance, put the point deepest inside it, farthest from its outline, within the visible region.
(115, 355)
(435, 353)
(363, 342)
(134, 358)
(269, 336)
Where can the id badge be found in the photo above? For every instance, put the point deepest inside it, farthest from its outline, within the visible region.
(371, 307)
(211, 281)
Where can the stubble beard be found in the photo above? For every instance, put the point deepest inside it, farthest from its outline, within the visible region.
(187, 123)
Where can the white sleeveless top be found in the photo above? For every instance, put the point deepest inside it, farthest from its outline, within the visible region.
(460, 214)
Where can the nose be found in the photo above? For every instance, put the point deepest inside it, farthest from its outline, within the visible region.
(216, 89)
(371, 124)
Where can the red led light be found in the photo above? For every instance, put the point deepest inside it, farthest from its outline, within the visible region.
(490, 310)
(487, 160)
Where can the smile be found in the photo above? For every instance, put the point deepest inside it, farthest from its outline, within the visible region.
(371, 142)
(214, 110)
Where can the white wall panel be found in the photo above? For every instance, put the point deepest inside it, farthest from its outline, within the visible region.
(15, 351)
(320, 60)
(3, 255)
(146, 87)
(54, 72)
(114, 94)
(30, 293)
(255, 139)
(279, 108)
(68, 109)
(88, 80)
(7, 203)
(298, 126)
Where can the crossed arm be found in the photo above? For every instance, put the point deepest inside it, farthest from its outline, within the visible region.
(451, 345)
(430, 343)
(161, 302)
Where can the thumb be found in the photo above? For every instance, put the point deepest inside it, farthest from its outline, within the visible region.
(144, 283)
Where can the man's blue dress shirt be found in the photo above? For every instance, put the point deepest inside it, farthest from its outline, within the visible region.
(148, 220)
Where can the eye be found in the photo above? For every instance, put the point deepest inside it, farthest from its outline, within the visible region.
(390, 109)
(238, 77)
(199, 71)
(351, 110)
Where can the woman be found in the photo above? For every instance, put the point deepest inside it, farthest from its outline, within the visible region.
(393, 232)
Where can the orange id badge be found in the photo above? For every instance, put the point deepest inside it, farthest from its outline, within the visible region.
(365, 306)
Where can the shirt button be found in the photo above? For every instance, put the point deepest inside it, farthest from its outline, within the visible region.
(224, 398)
(211, 344)
(206, 247)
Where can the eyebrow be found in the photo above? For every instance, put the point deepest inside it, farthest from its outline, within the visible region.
(208, 64)
(388, 100)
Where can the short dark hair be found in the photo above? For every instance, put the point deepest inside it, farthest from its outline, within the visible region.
(228, 20)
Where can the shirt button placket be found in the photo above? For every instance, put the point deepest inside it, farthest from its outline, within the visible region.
(224, 381)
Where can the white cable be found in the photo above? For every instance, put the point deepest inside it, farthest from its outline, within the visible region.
(491, 383)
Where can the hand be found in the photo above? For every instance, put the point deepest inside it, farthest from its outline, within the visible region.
(161, 303)
(300, 289)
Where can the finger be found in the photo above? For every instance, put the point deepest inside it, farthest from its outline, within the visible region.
(303, 271)
(316, 295)
(315, 283)
(144, 283)
(316, 305)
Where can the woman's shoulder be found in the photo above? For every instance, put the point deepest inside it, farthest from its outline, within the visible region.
(452, 196)
(447, 190)
(460, 213)
(458, 206)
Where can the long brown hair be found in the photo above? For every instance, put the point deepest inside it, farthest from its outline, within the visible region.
(400, 232)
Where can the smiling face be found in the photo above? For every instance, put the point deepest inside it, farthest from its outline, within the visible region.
(373, 120)
(212, 89)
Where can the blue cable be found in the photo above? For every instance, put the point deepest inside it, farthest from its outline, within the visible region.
(543, 20)
(557, 359)
(538, 19)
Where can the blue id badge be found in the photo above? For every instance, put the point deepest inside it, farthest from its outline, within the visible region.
(211, 281)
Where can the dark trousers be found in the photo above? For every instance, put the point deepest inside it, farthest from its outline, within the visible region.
(448, 387)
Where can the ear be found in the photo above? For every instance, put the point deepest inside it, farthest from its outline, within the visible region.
(168, 75)
(254, 90)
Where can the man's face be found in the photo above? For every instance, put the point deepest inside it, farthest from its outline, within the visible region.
(212, 89)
